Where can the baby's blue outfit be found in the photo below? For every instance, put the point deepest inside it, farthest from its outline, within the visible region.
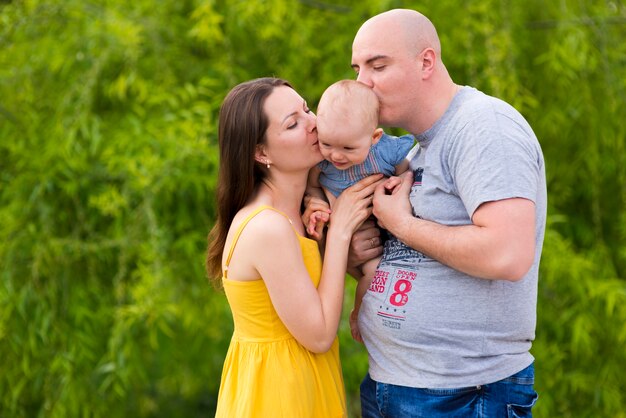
(383, 157)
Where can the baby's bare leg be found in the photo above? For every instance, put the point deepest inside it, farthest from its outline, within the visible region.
(368, 268)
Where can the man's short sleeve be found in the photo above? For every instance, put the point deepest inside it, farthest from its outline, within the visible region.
(495, 162)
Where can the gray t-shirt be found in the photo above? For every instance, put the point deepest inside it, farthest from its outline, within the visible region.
(425, 324)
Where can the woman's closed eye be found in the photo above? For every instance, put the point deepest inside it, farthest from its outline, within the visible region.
(295, 122)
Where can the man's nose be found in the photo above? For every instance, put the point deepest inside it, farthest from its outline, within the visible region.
(364, 78)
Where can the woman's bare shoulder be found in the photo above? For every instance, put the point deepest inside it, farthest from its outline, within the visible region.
(266, 223)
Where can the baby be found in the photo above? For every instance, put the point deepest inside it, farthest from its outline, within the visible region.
(354, 147)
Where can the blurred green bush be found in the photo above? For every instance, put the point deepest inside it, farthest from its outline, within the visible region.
(108, 113)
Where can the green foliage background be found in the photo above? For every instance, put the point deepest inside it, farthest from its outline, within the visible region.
(108, 166)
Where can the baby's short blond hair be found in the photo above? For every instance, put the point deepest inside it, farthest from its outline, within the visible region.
(346, 100)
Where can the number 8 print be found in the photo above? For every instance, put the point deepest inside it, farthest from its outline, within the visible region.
(400, 297)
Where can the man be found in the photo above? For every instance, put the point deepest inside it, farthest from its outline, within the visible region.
(450, 316)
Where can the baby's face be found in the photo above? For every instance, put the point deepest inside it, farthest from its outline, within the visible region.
(344, 146)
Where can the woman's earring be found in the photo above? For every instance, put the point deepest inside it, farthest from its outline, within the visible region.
(267, 163)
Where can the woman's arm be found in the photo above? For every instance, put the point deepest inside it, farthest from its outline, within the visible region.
(311, 315)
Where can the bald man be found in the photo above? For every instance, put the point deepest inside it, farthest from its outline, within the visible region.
(450, 316)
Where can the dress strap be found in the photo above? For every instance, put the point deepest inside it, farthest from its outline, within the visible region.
(242, 226)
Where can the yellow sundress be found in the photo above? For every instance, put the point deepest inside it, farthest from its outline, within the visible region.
(267, 373)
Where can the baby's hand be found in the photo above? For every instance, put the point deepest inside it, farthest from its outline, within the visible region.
(316, 224)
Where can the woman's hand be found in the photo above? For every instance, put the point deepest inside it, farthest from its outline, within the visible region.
(354, 205)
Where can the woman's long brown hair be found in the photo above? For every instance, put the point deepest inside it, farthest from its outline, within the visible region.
(242, 127)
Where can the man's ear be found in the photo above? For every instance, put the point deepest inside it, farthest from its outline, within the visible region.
(378, 133)
(429, 59)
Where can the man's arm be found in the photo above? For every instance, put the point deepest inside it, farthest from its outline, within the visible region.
(500, 243)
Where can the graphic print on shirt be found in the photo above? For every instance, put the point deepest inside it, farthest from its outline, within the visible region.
(417, 176)
(393, 281)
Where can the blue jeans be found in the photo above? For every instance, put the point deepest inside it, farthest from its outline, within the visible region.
(511, 397)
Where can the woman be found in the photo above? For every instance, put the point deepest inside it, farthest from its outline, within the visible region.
(283, 360)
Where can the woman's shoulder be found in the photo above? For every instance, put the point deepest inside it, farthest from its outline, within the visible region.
(262, 221)
(256, 234)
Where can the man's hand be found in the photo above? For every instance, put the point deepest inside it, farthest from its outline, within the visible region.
(391, 201)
